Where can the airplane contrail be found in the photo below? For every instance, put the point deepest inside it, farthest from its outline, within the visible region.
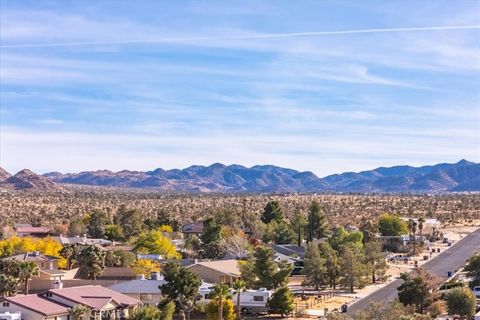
(240, 36)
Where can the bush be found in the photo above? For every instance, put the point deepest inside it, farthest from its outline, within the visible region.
(281, 302)
(211, 309)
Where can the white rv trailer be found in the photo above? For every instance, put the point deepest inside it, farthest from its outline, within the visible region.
(251, 301)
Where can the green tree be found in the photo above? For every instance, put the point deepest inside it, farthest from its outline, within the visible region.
(269, 273)
(211, 247)
(283, 233)
(220, 293)
(281, 302)
(147, 312)
(392, 225)
(91, 262)
(8, 285)
(351, 267)
(239, 286)
(375, 260)
(247, 273)
(417, 290)
(316, 225)
(272, 212)
(96, 224)
(331, 263)
(130, 220)
(421, 222)
(473, 269)
(168, 310)
(27, 271)
(114, 232)
(462, 302)
(299, 224)
(369, 230)
(181, 287)
(340, 237)
(314, 267)
(69, 251)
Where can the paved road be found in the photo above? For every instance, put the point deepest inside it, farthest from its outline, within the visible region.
(449, 260)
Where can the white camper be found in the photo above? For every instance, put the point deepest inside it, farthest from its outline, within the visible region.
(251, 301)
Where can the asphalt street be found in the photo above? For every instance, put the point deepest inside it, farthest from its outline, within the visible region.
(449, 260)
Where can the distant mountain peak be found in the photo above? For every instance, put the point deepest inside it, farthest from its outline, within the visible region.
(27, 179)
(217, 177)
(4, 174)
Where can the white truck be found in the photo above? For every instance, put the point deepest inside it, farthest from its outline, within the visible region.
(251, 301)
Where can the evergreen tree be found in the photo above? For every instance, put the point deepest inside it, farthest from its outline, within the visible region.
(462, 302)
(96, 224)
(331, 263)
(375, 260)
(369, 230)
(181, 286)
(417, 290)
(473, 269)
(317, 227)
(281, 302)
(299, 224)
(272, 212)
(211, 247)
(130, 220)
(269, 273)
(351, 267)
(314, 267)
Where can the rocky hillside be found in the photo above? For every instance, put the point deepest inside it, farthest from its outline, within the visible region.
(28, 180)
(460, 176)
(4, 174)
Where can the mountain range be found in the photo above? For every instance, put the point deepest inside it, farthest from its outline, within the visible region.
(463, 176)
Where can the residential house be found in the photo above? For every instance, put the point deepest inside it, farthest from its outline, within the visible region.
(146, 290)
(43, 262)
(56, 304)
(193, 228)
(35, 307)
(27, 230)
(218, 271)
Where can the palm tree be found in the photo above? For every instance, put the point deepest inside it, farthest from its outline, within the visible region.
(78, 311)
(220, 293)
(27, 271)
(421, 221)
(239, 285)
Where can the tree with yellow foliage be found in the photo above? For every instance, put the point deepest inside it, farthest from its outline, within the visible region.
(146, 267)
(154, 242)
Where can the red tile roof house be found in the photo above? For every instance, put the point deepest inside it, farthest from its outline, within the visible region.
(56, 304)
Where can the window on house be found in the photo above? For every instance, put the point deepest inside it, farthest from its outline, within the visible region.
(6, 304)
(224, 279)
(257, 298)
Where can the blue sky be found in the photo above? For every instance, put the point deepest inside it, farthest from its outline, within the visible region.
(144, 84)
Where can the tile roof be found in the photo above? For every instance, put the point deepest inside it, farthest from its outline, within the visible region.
(95, 297)
(224, 266)
(38, 304)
